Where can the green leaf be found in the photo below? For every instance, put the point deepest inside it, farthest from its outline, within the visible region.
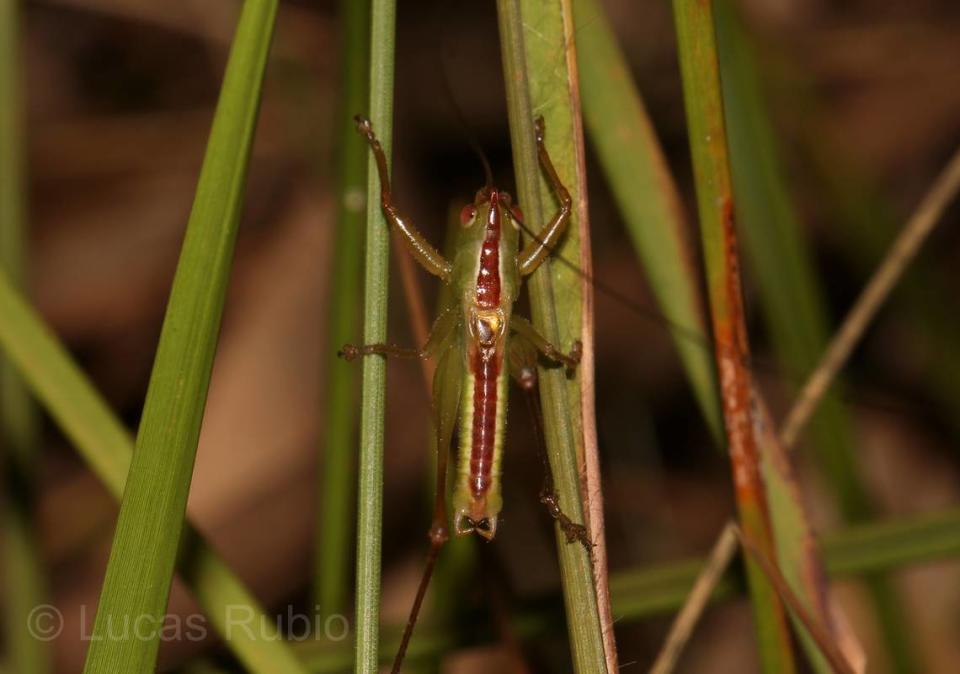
(107, 447)
(646, 194)
(797, 552)
(539, 69)
(708, 146)
(140, 569)
(335, 516)
(791, 298)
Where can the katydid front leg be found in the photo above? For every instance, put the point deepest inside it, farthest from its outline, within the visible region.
(429, 257)
(535, 252)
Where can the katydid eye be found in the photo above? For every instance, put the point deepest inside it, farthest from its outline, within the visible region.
(467, 214)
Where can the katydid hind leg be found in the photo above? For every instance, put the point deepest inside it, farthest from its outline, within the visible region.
(523, 369)
(447, 382)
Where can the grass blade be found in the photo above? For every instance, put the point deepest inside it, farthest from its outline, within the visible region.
(921, 221)
(335, 516)
(792, 300)
(708, 144)
(646, 194)
(833, 658)
(535, 37)
(107, 447)
(865, 548)
(919, 224)
(19, 434)
(374, 373)
(154, 501)
(796, 548)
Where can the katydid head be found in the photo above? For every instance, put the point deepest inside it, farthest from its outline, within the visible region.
(487, 247)
(487, 199)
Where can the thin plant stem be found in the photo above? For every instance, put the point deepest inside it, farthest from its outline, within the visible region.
(374, 376)
(703, 588)
(878, 288)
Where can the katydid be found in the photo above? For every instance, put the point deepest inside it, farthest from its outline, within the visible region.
(477, 341)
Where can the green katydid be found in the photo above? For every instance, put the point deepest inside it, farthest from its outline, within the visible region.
(477, 341)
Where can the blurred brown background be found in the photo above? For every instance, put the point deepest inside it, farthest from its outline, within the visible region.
(120, 97)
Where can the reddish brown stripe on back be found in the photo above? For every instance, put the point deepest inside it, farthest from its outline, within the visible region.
(486, 371)
(488, 279)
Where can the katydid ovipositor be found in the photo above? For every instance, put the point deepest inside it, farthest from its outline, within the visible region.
(477, 341)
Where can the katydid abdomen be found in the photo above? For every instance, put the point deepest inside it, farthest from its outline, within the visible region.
(476, 498)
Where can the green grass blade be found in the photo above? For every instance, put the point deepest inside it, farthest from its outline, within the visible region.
(107, 447)
(374, 376)
(708, 145)
(24, 574)
(791, 298)
(646, 194)
(12, 183)
(63, 389)
(797, 563)
(155, 496)
(534, 38)
(335, 517)
(861, 549)
(779, 257)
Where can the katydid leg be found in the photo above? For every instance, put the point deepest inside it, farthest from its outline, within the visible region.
(351, 352)
(535, 252)
(445, 325)
(525, 330)
(447, 381)
(523, 369)
(429, 257)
